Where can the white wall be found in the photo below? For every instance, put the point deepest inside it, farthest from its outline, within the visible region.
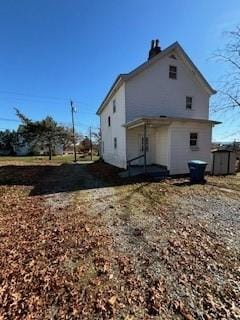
(163, 146)
(181, 152)
(113, 156)
(152, 93)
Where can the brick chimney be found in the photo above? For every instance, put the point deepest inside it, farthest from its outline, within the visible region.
(154, 50)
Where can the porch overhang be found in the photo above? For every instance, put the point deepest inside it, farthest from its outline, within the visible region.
(160, 121)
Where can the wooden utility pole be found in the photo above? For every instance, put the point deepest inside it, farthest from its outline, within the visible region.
(91, 149)
(73, 109)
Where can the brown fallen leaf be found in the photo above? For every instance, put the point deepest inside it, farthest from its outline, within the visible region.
(112, 300)
(87, 228)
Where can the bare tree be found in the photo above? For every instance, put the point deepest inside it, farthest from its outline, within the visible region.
(229, 88)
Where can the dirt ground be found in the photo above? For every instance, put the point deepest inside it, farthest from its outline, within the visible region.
(77, 242)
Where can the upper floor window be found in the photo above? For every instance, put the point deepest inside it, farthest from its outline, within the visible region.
(115, 143)
(114, 106)
(172, 72)
(109, 121)
(189, 102)
(193, 139)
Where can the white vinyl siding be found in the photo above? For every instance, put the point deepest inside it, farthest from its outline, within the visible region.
(114, 156)
(180, 151)
(152, 93)
(163, 146)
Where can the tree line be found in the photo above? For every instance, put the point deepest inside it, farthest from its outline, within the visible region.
(45, 135)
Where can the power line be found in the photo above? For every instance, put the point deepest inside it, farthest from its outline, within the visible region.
(60, 122)
(42, 97)
(85, 111)
(33, 95)
(6, 119)
(231, 135)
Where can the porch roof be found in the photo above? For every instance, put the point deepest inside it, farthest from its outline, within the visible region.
(158, 121)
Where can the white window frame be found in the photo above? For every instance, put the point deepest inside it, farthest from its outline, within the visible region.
(114, 106)
(115, 143)
(189, 102)
(172, 74)
(194, 139)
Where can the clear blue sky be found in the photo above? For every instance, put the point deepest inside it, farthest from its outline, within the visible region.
(54, 50)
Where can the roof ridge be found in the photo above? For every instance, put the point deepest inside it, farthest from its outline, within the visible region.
(141, 67)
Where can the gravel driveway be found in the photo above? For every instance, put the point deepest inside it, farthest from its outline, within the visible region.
(187, 237)
(220, 213)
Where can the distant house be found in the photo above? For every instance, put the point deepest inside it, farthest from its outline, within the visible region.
(24, 148)
(158, 113)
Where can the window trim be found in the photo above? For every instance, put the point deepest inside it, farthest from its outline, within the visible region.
(194, 139)
(188, 103)
(172, 74)
(115, 143)
(114, 106)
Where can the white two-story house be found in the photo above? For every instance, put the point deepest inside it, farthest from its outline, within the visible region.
(158, 113)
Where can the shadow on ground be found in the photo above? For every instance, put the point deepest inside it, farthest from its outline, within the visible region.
(48, 179)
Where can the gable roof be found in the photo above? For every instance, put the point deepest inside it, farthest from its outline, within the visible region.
(126, 76)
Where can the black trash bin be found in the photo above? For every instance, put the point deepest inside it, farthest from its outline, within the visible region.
(197, 170)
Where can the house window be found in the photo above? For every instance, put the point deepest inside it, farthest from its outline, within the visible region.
(102, 146)
(188, 102)
(115, 143)
(193, 139)
(172, 72)
(109, 121)
(142, 144)
(114, 106)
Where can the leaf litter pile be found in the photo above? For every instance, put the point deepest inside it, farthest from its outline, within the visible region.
(112, 253)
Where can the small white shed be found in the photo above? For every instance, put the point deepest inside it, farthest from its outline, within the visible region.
(223, 162)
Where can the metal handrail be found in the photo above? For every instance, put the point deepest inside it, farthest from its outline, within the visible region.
(131, 160)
